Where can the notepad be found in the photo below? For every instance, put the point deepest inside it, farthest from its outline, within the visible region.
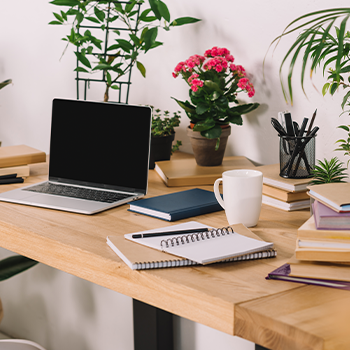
(206, 247)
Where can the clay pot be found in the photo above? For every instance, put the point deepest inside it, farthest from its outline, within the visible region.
(204, 149)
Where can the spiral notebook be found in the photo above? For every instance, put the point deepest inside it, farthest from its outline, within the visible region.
(209, 247)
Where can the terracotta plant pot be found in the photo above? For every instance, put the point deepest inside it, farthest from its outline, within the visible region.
(160, 149)
(204, 149)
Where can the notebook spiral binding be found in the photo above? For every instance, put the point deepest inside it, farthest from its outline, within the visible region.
(195, 237)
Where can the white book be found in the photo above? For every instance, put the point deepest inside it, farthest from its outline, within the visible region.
(204, 247)
(303, 204)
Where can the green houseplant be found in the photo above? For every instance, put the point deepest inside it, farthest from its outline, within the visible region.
(110, 35)
(328, 171)
(163, 134)
(214, 84)
(321, 44)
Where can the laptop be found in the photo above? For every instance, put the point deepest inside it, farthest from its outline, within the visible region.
(99, 158)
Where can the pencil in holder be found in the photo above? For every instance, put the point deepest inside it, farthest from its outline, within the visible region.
(297, 156)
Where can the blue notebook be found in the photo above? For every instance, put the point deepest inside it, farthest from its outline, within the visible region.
(178, 205)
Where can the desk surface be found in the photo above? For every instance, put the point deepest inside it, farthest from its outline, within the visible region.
(233, 297)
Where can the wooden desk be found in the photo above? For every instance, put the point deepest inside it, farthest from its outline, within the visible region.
(234, 298)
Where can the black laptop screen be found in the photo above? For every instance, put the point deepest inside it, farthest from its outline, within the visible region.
(100, 144)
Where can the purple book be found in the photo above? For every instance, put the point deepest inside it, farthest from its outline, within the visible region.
(328, 219)
(282, 274)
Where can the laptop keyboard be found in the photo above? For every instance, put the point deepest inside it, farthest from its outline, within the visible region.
(78, 192)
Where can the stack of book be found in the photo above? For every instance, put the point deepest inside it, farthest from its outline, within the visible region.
(285, 194)
(14, 162)
(326, 235)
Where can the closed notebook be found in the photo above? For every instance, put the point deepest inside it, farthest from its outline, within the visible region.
(329, 219)
(178, 205)
(205, 247)
(333, 195)
(20, 155)
(316, 273)
(271, 177)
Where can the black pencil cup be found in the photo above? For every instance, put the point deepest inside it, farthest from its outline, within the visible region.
(297, 156)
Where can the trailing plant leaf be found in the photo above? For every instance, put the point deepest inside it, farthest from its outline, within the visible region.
(14, 265)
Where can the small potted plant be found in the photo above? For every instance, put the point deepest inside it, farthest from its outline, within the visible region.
(214, 84)
(163, 135)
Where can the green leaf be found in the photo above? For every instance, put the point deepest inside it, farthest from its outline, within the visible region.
(346, 128)
(141, 68)
(14, 265)
(207, 124)
(109, 78)
(65, 2)
(186, 106)
(60, 19)
(125, 45)
(115, 87)
(55, 22)
(150, 38)
(93, 19)
(79, 17)
(155, 8)
(325, 88)
(135, 39)
(129, 6)
(243, 109)
(83, 59)
(184, 20)
(103, 66)
(81, 69)
(202, 107)
(212, 133)
(64, 15)
(164, 11)
(345, 99)
(5, 82)
(99, 14)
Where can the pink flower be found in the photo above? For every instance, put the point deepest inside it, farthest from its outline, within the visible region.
(219, 67)
(246, 85)
(229, 58)
(214, 51)
(194, 88)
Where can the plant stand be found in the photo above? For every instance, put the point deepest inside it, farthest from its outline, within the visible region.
(204, 149)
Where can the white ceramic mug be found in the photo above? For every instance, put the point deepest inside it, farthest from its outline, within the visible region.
(242, 192)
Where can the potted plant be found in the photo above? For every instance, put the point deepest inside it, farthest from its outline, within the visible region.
(162, 135)
(214, 84)
(328, 171)
(110, 35)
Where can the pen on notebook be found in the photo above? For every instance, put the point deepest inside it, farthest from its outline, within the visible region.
(169, 233)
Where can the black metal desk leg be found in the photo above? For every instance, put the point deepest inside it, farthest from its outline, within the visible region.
(153, 328)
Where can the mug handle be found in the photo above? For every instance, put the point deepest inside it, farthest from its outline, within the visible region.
(217, 192)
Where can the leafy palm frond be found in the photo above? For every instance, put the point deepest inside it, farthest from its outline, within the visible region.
(4, 83)
(326, 172)
(316, 44)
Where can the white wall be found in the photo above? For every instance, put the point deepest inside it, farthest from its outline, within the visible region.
(57, 309)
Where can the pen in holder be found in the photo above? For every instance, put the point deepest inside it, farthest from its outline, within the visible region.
(297, 156)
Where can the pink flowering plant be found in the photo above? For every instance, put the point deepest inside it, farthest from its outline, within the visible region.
(214, 82)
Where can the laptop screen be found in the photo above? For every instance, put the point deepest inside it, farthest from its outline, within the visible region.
(98, 144)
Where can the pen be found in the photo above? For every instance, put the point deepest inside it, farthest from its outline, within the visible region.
(169, 233)
(312, 122)
(8, 176)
